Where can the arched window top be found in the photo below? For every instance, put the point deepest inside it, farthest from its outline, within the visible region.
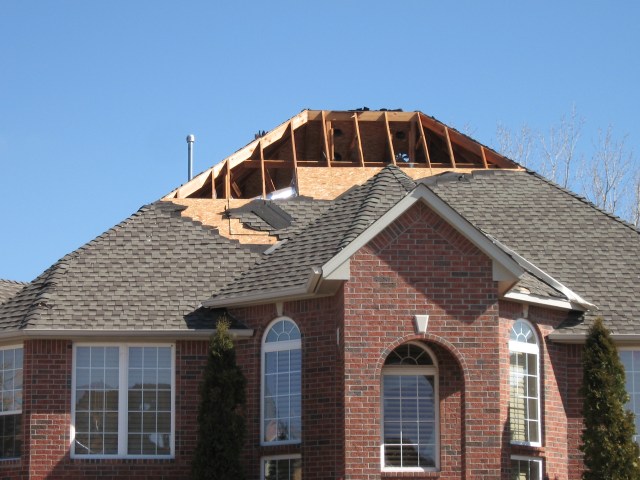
(409, 354)
(522, 332)
(282, 330)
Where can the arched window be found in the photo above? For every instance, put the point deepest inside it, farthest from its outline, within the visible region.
(524, 398)
(281, 383)
(410, 409)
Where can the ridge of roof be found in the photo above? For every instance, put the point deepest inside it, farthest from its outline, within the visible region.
(291, 264)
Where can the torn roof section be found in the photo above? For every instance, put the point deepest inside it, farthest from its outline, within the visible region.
(362, 140)
(568, 250)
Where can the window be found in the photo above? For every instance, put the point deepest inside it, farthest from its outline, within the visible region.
(410, 410)
(282, 467)
(524, 399)
(631, 361)
(526, 468)
(123, 401)
(281, 383)
(11, 408)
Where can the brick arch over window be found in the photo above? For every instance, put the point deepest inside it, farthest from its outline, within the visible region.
(452, 378)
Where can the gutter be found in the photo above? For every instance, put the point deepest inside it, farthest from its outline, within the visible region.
(581, 338)
(69, 334)
(258, 298)
(555, 303)
(572, 297)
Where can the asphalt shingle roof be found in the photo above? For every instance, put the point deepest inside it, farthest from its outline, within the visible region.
(8, 288)
(591, 252)
(303, 210)
(347, 217)
(149, 272)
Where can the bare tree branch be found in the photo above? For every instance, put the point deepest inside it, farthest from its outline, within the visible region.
(518, 146)
(605, 177)
(559, 148)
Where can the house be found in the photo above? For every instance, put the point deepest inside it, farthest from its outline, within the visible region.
(406, 303)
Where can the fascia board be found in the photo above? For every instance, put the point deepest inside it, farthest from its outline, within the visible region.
(622, 339)
(260, 298)
(555, 303)
(119, 335)
(572, 296)
(462, 225)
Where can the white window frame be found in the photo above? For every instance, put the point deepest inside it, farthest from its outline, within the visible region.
(18, 411)
(275, 347)
(123, 390)
(538, 460)
(412, 370)
(528, 348)
(264, 460)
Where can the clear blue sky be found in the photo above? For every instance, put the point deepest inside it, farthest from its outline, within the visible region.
(97, 97)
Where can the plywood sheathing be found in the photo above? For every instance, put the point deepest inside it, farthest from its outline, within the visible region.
(210, 212)
(329, 183)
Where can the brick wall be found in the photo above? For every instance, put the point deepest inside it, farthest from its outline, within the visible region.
(47, 417)
(420, 265)
(322, 408)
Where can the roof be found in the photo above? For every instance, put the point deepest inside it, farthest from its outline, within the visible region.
(289, 265)
(149, 272)
(8, 288)
(156, 269)
(590, 251)
(568, 248)
(361, 138)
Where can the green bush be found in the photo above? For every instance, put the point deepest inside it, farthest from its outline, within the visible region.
(221, 425)
(610, 452)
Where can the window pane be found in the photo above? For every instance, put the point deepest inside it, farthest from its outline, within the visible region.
(93, 402)
(148, 433)
(283, 469)
(524, 397)
(10, 436)
(526, 469)
(409, 420)
(282, 384)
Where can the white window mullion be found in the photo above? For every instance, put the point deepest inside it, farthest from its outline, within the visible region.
(123, 390)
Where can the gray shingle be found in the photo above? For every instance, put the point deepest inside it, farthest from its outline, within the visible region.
(591, 252)
(8, 288)
(345, 219)
(151, 271)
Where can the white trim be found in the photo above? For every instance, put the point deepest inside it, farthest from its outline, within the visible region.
(546, 278)
(522, 347)
(275, 347)
(523, 458)
(413, 370)
(90, 334)
(259, 297)
(263, 460)
(15, 346)
(123, 389)
(448, 214)
(555, 303)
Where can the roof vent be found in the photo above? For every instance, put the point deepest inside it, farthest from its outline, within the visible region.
(190, 140)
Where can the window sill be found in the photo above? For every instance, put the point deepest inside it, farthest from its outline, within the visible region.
(406, 473)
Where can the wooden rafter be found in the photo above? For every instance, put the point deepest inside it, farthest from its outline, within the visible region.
(412, 142)
(327, 151)
(295, 155)
(262, 171)
(423, 140)
(450, 147)
(227, 181)
(358, 140)
(484, 157)
(386, 124)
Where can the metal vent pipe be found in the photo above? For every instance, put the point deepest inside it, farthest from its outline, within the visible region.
(190, 140)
